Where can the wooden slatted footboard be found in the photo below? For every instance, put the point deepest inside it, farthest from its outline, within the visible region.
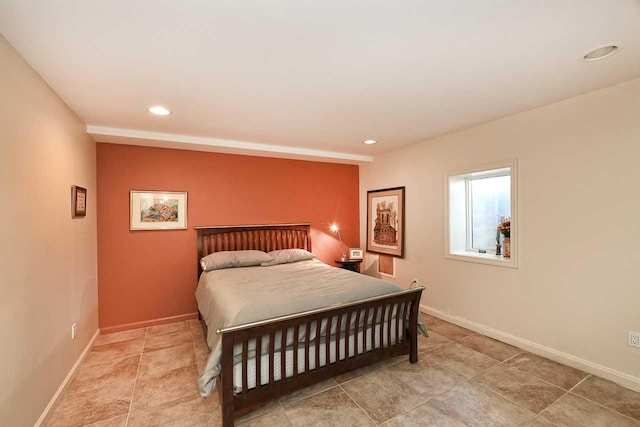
(387, 326)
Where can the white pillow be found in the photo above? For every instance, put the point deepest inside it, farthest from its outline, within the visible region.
(232, 259)
(285, 256)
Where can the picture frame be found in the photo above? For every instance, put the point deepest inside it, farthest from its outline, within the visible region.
(355, 253)
(385, 221)
(78, 201)
(158, 210)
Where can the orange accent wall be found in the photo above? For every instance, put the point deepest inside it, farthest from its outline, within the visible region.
(148, 275)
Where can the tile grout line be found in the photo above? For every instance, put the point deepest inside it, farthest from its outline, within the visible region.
(535, 415)
(311, 395)
(468, 380)
(597, 403)
(285, 412)
(419, 404)
(435, 405)
(339, 385)
(539, 415)
(500, 363)
(548, 382)
(195, 359)
(146, 332)
(426, 351)
(504, 362)
(410, 409)
(114, 359)
(92, 365)
(358, 405)
(561, 397)
(428, 400)
(446, 369)
(637, 421)
(569, 391)
(522, 351)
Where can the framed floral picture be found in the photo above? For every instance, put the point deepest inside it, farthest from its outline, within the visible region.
(385, 221)
(158, 210)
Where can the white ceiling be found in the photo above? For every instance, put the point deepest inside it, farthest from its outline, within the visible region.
(319, 75)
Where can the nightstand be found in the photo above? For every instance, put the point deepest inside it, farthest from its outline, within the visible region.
(349, 264)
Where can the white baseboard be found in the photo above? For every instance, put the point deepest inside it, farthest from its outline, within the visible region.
(621, 378)
(72, 373)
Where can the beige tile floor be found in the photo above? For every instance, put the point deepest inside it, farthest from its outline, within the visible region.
(148, 377)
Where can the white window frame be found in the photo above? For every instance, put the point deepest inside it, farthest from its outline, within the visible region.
(458, 239)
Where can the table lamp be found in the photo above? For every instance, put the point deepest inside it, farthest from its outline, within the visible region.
(336, 230)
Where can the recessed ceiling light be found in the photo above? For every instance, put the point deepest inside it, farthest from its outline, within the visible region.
(159, 110)
(370, 141)
(600, 53)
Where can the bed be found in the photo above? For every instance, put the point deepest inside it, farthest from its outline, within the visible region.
(276, 329)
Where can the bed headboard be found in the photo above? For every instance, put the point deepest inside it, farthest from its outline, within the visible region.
(265, 238)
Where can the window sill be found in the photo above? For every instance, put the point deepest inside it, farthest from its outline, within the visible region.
(488, 259)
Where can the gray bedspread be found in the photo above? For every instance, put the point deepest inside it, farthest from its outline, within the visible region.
(235, 296)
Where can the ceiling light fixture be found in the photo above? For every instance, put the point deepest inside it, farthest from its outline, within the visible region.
(600, 53)
(159, 110)
(370, 141)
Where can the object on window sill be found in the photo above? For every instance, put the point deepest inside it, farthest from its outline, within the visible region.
(507, 247)
(505, 229)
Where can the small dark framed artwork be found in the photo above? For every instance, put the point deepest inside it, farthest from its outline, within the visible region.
(78, 201)
(385, 221)
(355, 253)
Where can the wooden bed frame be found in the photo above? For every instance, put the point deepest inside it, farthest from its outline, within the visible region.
(284, 236)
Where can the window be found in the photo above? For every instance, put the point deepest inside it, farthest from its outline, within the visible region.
(489, 205)
(479, 200)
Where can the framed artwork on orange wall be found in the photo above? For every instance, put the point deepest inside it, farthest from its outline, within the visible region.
(385, 221)
(158, 210)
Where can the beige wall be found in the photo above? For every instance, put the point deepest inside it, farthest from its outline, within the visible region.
(577, 288)
(47, 259)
